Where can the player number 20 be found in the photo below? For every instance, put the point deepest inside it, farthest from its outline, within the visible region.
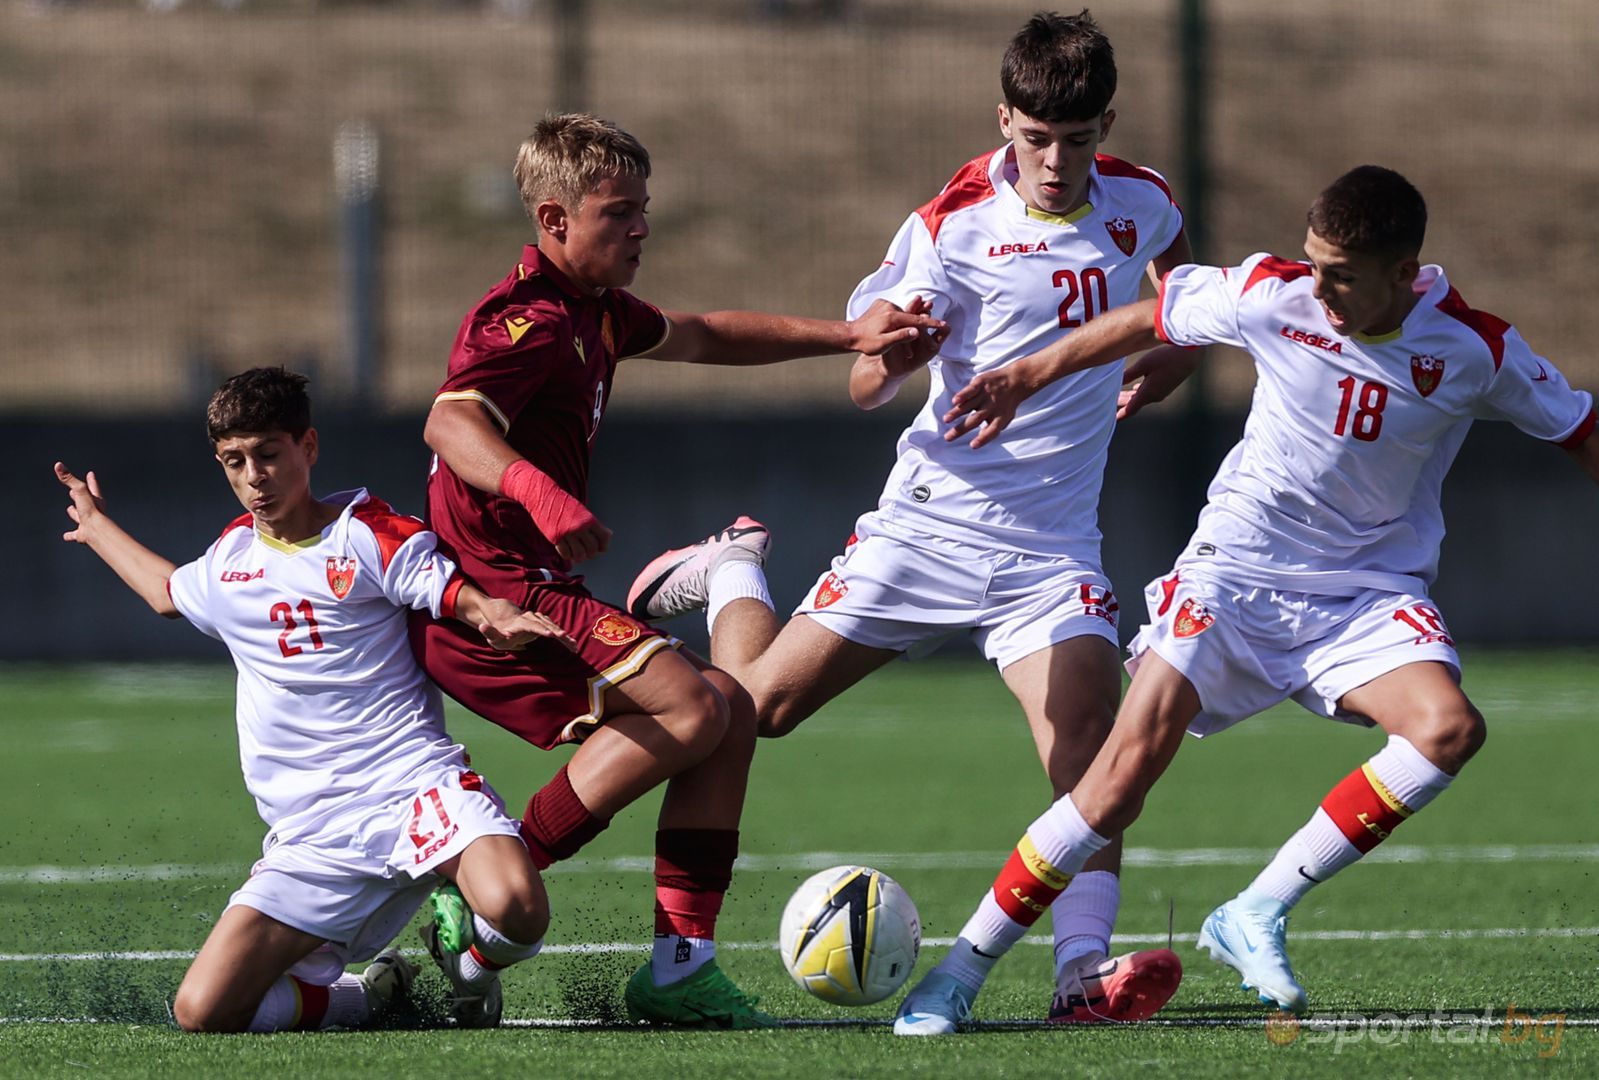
(1368, 404)
(1090, 286)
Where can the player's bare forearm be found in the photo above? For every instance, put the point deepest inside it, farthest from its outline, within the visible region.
(752, 337)
(1586, 455)
(870, 383)
(140, 569)
(467, 440)
(503, 624)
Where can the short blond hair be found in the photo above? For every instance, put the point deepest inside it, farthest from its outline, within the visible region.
(570, 155)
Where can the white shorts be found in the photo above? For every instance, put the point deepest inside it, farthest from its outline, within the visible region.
(1246, 648)
(891, 592)
(359, 896)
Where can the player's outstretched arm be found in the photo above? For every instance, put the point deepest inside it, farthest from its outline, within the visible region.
(1152, 376)
(504, 625)
(466, 440)
(751, 337)
(874, 380)
(1586, 455)
(141, 569)
(991, 399)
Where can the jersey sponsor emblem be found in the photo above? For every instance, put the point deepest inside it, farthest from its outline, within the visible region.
(832, 589)
(1314, 340)
(613, 629)
(1193, 618)
(516, 326)
(921, 493)
(996, 250)
(341, 575)
(1124, 231)
(582, 354)
(1426, 372)
(231, 576)
(1542, 376)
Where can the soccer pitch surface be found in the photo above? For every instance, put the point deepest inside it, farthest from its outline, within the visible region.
(128, 827)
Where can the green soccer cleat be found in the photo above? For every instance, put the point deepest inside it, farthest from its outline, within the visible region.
(453, 917)
(705, 999)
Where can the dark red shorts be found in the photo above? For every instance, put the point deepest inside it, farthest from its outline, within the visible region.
(545, 693)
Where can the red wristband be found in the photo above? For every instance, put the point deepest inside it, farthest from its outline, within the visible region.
(556, 513)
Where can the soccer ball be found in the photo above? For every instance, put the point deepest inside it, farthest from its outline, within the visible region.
(850, 935)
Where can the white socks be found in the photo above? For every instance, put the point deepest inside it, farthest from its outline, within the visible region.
(675, 957)
(734, 579)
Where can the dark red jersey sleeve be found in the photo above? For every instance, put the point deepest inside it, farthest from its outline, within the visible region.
(504, 354)
(640, 325)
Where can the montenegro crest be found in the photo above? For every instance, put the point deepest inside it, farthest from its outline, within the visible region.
(832, 589)
(613, 629)
(1123, 230)
(1193, 618)
(1426, 372)
(341, 576)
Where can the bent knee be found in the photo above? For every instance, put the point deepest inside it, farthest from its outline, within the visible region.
(1449, 735)
(526, 919)
(700, 721)
(198, 1012)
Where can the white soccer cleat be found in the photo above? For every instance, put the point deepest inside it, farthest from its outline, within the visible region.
(678, 581)
(387, 979)
(934, 1006)
(1251, 941)
(472, 1006)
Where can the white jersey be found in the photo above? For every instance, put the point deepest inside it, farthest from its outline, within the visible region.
(1011, 280)
(1335, 485)
(335, 715)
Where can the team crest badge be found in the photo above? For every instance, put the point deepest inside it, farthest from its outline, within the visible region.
(1192, 618)
(612, 629)
(832, 589)
(1123, 230)
(341, 576)
(1426, 372)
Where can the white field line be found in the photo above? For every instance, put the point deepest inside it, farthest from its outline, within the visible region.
(1469, 934)
(888, 860)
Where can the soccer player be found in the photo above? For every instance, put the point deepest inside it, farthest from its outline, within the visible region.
(367, 801)
(528, 381)
(1309, 572)
(1023, 247)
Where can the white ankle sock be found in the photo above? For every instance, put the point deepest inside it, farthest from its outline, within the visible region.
(675, 957)
(734, 579)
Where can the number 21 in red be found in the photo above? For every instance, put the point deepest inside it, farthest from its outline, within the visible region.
(283, 613)
(1373, 398)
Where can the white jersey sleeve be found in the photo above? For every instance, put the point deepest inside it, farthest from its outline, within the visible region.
(416, 574)
(190, 587)
(911, 268)
(1531, 393)
(1199, 304)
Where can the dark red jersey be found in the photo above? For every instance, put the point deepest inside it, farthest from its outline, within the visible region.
(539, 356)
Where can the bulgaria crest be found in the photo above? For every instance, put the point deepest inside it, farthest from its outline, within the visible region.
(1426, 372)
(1193, 618)
(341, 576)
(1124, 231)
(612, 629)
(832, 589)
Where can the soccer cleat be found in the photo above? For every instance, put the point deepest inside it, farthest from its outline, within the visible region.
(453, 917)
(387, 979)
(1250, 941)
(934, 1006)
(705, 999)
(472, 1006)
(1121, 990)
(678, 581)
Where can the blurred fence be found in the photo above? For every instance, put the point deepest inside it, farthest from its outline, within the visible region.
(167, 204)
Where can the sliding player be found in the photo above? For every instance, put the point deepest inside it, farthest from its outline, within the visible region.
(1023, 247)
(528, 381)
(1308, 576)
(367, 801)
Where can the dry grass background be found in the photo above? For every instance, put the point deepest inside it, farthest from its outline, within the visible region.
(166, 202)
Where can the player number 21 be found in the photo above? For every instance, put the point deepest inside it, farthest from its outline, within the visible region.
(1090, 285)
(1368, 405)
(283, 613)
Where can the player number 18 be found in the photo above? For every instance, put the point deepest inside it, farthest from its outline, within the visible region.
(1368, 406)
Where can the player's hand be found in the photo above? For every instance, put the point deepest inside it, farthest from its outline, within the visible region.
(989, 401)
(884, 326)
(87, 502)
(509, 628)
(585, 540)
(906, 357)
(1153, 376)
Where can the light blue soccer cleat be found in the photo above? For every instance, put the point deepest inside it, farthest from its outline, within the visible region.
(934, 1006)
(1246, 933)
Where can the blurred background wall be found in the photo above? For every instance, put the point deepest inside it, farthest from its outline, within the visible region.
(188, 188)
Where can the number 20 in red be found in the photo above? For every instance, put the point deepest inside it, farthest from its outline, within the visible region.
(1371, 400)
(1090, 285)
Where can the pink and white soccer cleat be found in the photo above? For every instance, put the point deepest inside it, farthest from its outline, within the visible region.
(1123, 989)
(678, 581)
